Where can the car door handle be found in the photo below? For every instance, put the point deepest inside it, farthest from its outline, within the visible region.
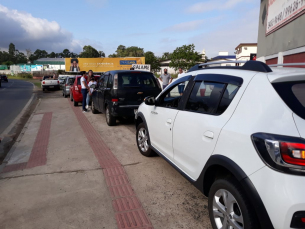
(209, 134)
(169, 121)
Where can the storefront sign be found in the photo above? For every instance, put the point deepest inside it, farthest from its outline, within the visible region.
(282, 12)
(142, 67)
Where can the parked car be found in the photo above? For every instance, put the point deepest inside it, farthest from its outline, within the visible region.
(62, 80)
(119, 93)
(75, 90)
(67, 84)
(4, 78)
(49, 83)
(237, 134)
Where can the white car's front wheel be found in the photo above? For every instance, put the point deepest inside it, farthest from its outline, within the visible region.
(143, 142)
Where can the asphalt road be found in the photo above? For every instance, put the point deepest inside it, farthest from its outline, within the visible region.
(14, 95)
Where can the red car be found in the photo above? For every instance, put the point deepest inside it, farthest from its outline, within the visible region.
(75, 90)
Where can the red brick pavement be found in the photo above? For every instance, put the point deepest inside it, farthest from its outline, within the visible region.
(38, 155)
(129, 212)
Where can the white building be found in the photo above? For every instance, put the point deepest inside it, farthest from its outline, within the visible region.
(244, 51)
(223, 57)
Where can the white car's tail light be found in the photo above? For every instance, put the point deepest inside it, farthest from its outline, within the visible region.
(283, 153)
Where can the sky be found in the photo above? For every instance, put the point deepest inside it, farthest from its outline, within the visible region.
(155, 25)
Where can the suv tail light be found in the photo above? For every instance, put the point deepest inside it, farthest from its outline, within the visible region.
(283, 153)
(115, 81)
(115, 100)
(76, 88)
(298, 220)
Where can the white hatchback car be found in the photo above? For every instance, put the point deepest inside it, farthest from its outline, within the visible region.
(238, 134)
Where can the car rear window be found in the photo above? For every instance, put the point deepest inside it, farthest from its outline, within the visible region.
(134, 79)
(293, 94)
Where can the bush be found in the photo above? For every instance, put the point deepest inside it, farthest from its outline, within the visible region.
(24, 75)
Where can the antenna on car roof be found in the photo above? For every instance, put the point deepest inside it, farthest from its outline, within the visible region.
(248, 65)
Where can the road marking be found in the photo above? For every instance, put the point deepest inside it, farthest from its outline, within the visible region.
(129, 212)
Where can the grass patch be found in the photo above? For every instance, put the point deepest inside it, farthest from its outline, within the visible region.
(37, 83)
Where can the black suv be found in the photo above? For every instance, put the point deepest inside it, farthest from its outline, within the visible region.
(4, 78)
(119, 93)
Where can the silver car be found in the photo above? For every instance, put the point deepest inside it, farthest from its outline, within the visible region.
(66, 86)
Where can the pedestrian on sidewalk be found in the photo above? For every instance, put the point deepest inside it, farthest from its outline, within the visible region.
(85, 89)
(89, 95)
(165, 78)
(182, 85)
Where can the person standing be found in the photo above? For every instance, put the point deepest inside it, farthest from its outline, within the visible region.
(166, 79)
(182, 85)
(85, 89)
(89, 95)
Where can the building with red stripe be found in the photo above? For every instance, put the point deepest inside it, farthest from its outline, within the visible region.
(281, 36)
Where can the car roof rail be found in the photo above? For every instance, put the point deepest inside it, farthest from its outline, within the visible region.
(250, 65)
(287, 64)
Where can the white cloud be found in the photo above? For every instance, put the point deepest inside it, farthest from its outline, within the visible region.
(214, 5)
(228, 36)
(26, 31)
(185, 26)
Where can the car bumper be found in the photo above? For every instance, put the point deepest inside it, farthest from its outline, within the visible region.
(50, 87)
(124, 110)
(282, 195)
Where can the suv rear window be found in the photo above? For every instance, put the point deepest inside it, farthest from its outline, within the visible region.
(293, 94)
(135, 79)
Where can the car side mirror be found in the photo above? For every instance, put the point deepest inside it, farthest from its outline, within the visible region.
(150, 101)
(93, 86)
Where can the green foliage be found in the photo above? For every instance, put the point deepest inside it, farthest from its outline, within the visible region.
(24, 75)
(11, 49)
(89, 52)
(52, 55)
(184, 57)
(166, 56)
(151, 59)
(132, 51)
(8, 62)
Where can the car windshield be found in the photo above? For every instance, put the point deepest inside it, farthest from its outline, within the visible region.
(136, 79)
(293, 94)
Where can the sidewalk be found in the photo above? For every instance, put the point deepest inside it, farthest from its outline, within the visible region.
(61, 174)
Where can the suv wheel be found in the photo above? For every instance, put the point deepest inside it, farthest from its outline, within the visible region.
(229, 207)
(94, 111)
(71, 98)
(75, 104)
(111, 120)
(143, 142)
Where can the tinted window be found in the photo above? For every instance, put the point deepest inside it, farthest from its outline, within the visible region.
(227, 98)
(293, 94)
(172, 96)
(136, 79)
(71, 80)
(205, 97)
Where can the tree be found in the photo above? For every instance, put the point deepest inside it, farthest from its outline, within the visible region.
(66, 53)
(11, 49)
(89, 52)
(151, 59)
(52, 55)
(132, 51)
(184, 57)
(166, 56)
(102, 54)
(20, 58)
(120, 51)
